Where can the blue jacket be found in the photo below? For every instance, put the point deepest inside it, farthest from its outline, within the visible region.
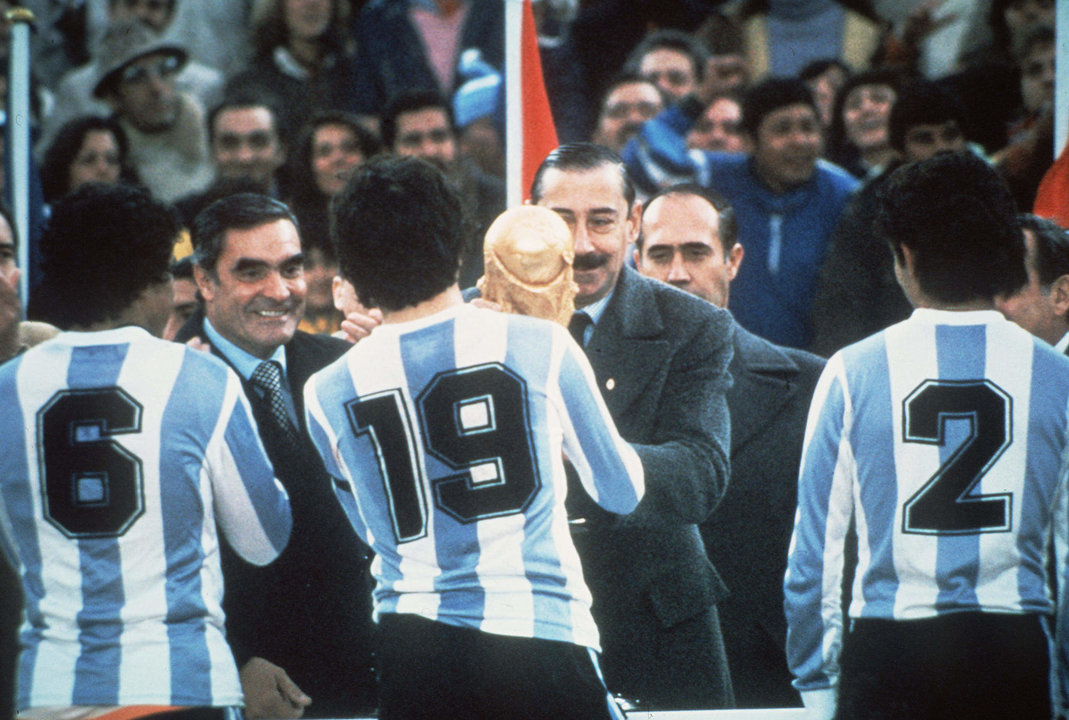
(785, 235)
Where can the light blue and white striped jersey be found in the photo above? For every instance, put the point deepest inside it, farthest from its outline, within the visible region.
(119, 453)
(447, 435)
(945, 438)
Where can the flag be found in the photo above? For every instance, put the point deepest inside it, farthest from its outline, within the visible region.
(531, 133)
(1052, 198)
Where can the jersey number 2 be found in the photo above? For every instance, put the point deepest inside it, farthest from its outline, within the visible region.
(473, 420)
(945, 504)
(92, 485)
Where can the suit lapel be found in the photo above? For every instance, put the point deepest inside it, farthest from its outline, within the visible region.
(298, 371)
(625, 344)
(763, 385)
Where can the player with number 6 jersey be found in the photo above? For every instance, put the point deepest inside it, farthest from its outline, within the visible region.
(446, 430)
(943, 440)
(120, 453)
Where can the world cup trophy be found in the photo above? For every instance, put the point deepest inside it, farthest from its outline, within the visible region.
(528, 253)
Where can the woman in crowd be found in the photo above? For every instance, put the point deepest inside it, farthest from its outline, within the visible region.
(858, 138)
(86, 149)
(303, 57)
(332, 145)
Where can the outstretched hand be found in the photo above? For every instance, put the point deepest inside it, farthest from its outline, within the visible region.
(269, 692)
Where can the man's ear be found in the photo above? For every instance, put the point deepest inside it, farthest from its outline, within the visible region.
(1059, 296)
(634, 222)
(734, 260)
(204, 281)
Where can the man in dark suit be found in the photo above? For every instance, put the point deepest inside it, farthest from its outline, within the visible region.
(1042, 306)
(660, 358)
(689, 240)
(302, 624)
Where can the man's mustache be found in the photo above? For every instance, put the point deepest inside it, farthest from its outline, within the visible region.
(590, 261)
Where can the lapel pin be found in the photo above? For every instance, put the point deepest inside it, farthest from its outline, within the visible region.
(610, 384)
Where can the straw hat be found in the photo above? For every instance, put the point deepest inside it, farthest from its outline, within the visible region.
(125, 42)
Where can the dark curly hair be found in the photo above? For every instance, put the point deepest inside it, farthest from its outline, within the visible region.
(304, 190)
(102, 247)
(398, 232)
(958, 218)
(56, 165)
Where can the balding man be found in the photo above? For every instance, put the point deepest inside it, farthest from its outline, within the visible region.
(689, 240)
(1042, 306)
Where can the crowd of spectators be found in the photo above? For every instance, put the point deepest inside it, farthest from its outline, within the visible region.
(135, 91)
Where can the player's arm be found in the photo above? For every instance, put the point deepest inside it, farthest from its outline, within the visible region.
(1060, 530)
(686, 460)
(608, 467)
(326, 444)
(813, 583)
(252, 507)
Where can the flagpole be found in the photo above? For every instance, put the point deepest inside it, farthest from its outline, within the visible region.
(1061, 76)
(513, 103)
(18, 135)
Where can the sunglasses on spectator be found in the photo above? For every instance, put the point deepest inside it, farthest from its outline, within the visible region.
(163, 68)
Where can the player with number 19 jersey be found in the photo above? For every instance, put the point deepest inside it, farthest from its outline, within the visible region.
(944, 437)
(119, 454)
(446, 435)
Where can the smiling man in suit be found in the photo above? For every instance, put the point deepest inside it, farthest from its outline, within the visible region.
(660, 358)
(301, 629)
(689, 240)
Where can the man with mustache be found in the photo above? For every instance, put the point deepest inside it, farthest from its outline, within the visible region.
(302, 625)
(420, 123)
(660, 358)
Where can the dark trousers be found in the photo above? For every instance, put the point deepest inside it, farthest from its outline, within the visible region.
(962, 665)
(432, 670)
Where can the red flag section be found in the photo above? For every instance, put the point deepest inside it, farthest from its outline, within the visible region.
(1052, 198)
(539, 133)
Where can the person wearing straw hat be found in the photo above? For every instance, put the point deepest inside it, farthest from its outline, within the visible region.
(168, 141)
(73, 92)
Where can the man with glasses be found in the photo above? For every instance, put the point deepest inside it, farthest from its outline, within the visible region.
(165, 127)
(629, 102)
(671, 60)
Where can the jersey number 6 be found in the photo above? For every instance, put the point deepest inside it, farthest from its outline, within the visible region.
(92, 485)
(475, 422)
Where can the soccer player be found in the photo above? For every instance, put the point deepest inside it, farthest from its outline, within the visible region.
(944, 438)
(119, 455)
(444, 430)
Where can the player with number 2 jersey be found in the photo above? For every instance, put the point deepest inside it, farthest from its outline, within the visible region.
(943, 441)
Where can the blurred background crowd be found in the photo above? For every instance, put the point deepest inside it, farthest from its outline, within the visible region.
(196, 99)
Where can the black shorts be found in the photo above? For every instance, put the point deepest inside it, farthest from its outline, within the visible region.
(961, 665)
(432, 670)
